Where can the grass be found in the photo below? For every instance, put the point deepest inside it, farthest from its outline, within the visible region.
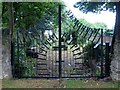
(90, 83)
(0, 84)
(30, 83)
(52, 83)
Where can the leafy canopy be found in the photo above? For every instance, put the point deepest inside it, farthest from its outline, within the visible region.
(95, 7)
(99, 25)
(27, 13)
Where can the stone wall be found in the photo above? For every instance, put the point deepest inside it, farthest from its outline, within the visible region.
(115, 69)
(1, 57)
(1, 76)
(0, 41)
(6, 57)
(115, 63)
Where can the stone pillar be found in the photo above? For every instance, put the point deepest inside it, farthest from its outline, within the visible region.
(115, 63)
(6, 55)
(5, 51)
(1, 76)
(115, 70)
(6, 58)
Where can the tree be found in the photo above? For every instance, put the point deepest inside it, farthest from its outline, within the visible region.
(26, 14)
(99, 25)
(84, 22)
(96, 7)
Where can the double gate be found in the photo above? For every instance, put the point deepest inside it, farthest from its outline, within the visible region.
(67, 51)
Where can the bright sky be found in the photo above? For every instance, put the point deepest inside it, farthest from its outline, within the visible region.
(106, 17)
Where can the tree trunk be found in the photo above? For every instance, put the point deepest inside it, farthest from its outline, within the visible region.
(115, 63)
(10, 12)
(117, 25)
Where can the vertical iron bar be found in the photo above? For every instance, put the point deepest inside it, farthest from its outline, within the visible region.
(102, 53)
(68, 61)
(24, 58)
(107, 61)
(53, 60)
(69, 49)
(18, 55)
(60, 55)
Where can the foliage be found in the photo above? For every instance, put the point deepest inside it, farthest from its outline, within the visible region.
(98, 25)
(84, 22)
(27, 13)
(92, 53)
(95, 7)
(23, 64)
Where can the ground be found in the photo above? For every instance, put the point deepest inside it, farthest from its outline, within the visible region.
(55, 83)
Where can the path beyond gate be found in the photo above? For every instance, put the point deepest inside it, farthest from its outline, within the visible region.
(59, 54)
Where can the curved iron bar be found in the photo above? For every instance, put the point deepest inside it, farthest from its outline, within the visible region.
(45, 42)
(71, 16)
(88, 29)
(90, 34)
(97, 31)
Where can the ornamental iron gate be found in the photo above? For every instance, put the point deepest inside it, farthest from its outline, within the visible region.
(71, 50)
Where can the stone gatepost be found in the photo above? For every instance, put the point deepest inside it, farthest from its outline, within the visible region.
(115, 63)
(1, 42)
(1, 76)
(6, 58)
(115, 70)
